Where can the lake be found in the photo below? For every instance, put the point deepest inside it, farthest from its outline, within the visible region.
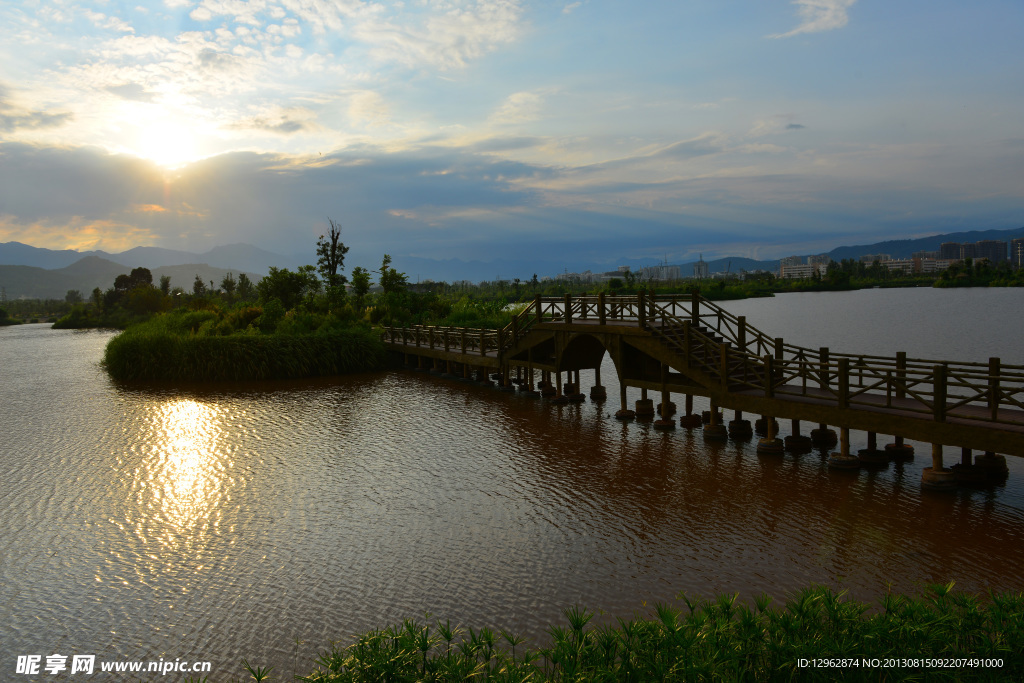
(263, 521)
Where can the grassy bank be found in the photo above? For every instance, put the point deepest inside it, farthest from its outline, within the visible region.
(969, 637)
(206, 346)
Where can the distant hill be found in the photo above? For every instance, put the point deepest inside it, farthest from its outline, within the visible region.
(234, 257)
(68, 269)
(905, 248)
(92, 271)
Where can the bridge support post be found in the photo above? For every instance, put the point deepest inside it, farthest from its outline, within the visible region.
(690, 420)
(714, 430)
(547, 390)
(559, 396)
(577, 395)
(528, 389)
(797, 442)
(992, 466)
(598, 392)
(506, 379)
(449, 370)
(740, 429)
(899, 450)
(843, 460)
(761, 425)
(644, 406)
(666, 408)
(937, 477)
(871, 455)
(770, 444)
(623, 413)
(823, 437)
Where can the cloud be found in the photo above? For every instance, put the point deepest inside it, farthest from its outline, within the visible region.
(131, 91)
(505, 144)
(570, 7)
(818, 15)
(445, 39)
(709, 143)
(280, 121)
(519, 107)
(368, 108)
(775, 125)
(77, 233)
(14, 117)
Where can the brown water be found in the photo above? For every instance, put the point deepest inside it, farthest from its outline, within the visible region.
(227, 523)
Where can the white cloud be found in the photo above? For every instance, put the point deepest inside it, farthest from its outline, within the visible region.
(570, 7)
(446, 39)
(368, 108)
(819, 15)
(518, 107)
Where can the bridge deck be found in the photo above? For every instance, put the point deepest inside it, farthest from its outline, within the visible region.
(685, 344)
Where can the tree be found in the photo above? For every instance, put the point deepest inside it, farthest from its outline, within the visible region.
(165, 284)
(390, 279)
(228, 284)
(97, 297)
(246, 289)
(122, 283)
(331, 255)
(360, 283)
(141, 276)
(73, 296)
(286, 286)
(198, 286)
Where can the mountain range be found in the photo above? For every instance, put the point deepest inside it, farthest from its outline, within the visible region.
(35, 272)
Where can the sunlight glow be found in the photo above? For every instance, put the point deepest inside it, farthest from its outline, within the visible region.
(187, 476)
(168, 143)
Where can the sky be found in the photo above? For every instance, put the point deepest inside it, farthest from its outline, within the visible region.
(490, 129)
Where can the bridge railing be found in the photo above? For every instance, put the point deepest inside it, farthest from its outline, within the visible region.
(462, 340)
(941, 390)
(741, 357)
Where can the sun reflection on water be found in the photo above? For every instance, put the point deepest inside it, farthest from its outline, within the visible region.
(185, 474)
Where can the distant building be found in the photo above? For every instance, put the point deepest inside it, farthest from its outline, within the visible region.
(925, 254)
(662, 272)
(800, 271)
(791, 261)
(918, 265)
(949, 250)
(871, 258)
(700, 269)
(993, 250)
(820, 259)
(623, 269)
(967, 250)
(1017, 252)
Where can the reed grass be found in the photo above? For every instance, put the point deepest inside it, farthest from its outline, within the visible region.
(711, 640)
(205, 346)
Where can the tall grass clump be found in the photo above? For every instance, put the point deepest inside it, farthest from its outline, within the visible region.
(210, 345)
(965, 637)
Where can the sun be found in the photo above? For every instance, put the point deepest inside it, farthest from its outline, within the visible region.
(169, 143)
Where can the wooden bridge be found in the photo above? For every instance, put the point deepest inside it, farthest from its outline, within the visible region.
(686, 344)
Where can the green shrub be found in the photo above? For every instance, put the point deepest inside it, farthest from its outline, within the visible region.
(716, 640)
(187, 347)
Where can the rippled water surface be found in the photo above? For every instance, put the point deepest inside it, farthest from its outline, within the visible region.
(231, 522)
